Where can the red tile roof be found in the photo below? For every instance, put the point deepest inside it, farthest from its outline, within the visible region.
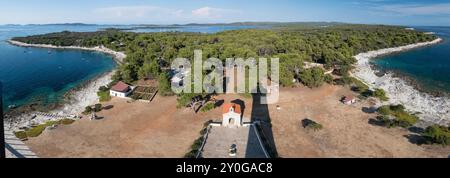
(348, 99)
(226, 108)
(121, 87)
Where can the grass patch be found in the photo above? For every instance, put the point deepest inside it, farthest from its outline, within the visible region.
(37, 130)
(104, 96)
(22, 135)
(208, 107)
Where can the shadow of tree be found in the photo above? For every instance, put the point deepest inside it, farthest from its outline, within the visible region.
(369, 110)
(219, 103)
(108, 107)
(416, 130)
(415, 139)
(376, 122)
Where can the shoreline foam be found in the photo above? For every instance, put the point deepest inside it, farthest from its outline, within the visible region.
(78, 98)
(430, 109)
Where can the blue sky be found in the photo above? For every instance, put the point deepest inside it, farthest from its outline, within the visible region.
(400, 12)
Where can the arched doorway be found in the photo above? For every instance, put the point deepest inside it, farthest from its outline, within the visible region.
(231, 121)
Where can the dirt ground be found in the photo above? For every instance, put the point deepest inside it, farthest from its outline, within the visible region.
(346, 130)
(158, 129)
(129, 129)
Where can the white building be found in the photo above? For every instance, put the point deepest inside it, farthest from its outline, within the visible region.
(232, 115)
(121, 90)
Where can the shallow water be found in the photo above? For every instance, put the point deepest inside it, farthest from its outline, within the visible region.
(429, 67)
(40, 75)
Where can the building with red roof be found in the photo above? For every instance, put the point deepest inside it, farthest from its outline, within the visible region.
(232, 115)
(121, 89)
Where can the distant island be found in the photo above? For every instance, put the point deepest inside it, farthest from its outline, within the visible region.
(317, 62)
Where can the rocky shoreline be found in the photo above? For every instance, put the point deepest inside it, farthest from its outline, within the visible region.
(118, 56)
(74, 101)
(409, 80)
(430, 108)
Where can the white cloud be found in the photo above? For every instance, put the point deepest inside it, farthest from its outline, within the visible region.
(417, 9)
(210, 12)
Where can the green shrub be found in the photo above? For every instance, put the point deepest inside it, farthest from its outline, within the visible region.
(386, 121)
(98, 107)
(328, 78)
(313, 77)
(66, 121)
(103, 89)
(402, 118)
(191, 154)
(437, 134)
(87, 110)
(310, 124)
(359, 86)
(380, 94)
(22, 135)
(208, 107)
(104, 96)
(384, 110)
(36, 131)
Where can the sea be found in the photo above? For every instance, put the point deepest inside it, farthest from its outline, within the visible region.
(43, 76)
(427, 68)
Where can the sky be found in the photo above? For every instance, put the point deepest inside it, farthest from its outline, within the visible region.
(392, 12)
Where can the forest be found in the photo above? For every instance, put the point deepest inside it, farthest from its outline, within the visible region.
(333, 45)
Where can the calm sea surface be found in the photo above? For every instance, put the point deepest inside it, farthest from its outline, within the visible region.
(429, 67)
(45, 75)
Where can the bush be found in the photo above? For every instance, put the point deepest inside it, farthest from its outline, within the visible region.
(207, 107)
(191, 154)
(67, 121)
(313, 77)
(359, 87)
(437, 134)
(384, 110)
(310, 124)
(381, 94)
(87, 110)
(103, 89)
(22, 135)
(36, 131)
(402, 118)
(386, 121)
(98, 107)
(328, 78)
(104, 96)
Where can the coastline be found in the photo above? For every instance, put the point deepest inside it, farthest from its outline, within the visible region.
(118, 56)
(429, 108)
(75, 100)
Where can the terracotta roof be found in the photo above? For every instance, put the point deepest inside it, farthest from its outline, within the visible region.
(226, 108)
(348, 98)
(121, 87)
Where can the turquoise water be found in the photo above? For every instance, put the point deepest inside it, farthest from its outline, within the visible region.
(429, 67)
(36, 75)
(43, 75)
